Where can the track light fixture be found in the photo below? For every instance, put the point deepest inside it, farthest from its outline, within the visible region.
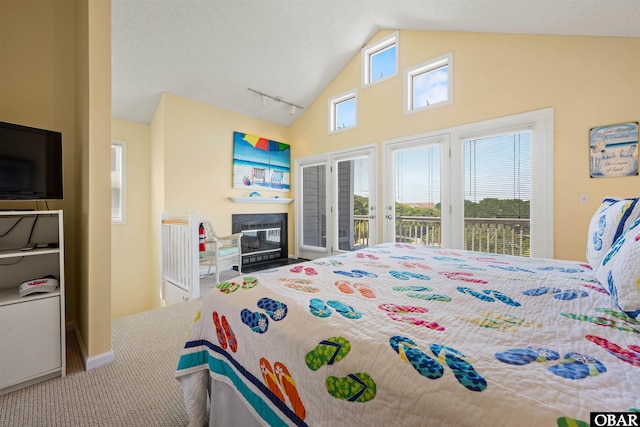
(263, 99)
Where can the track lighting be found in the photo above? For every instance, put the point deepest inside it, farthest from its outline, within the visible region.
(263, 100)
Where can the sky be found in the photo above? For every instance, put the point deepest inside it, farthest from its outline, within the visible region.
(346, 113)
(417, 177)
(496, 167)
(382, 64)
(431, 87)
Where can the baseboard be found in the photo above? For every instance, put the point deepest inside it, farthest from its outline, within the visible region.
(92, 362)
(99, 360)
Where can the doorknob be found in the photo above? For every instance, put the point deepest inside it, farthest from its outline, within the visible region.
(388, 216)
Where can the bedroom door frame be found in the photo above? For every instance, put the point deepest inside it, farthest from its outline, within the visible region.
(329, 210)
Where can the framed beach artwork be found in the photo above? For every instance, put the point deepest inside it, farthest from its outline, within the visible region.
(614, 150)
(260, 163)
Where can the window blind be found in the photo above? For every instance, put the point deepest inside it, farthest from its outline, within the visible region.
(497, 176)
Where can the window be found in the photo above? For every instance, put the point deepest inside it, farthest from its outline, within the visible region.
(483, 186)
(342, 111)
(429, 84)
(118, 154)
(380, 60)
(497, 193)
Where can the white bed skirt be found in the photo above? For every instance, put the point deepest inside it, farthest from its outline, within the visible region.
(228, 409)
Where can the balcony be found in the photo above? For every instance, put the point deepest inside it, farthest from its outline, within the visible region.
(494, 235)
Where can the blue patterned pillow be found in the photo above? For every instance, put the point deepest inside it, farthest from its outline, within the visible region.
(619, 271)
(611, 219)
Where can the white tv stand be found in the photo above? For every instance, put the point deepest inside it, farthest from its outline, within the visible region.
(32, 328)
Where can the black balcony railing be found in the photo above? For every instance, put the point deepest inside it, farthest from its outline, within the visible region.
(496, 235)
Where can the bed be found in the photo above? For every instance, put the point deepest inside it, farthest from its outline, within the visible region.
(397, 334)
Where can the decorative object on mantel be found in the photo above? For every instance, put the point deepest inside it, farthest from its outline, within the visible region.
(614, 150)
(280, 200)
(260, 163)
(254, 194)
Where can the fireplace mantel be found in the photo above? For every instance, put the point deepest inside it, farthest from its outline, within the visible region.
(261, 200)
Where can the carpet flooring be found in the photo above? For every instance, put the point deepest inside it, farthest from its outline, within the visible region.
(137, 389)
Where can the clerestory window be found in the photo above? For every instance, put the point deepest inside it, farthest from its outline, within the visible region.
(429, 84)
(342, 111)
(380, 60)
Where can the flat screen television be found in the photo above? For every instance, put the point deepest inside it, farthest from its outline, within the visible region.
(30, 163)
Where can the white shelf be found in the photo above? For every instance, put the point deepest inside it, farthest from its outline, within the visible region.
(16, 253)
(11, 296)
(29, 213)
(32, 328)
(279, 200)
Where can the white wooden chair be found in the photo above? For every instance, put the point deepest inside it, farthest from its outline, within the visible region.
(221, 252)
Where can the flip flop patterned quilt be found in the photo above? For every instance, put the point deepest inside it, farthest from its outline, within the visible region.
(397, 334)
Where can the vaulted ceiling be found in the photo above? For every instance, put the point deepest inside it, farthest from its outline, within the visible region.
(212, 51)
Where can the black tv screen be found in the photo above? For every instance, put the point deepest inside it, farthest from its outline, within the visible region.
(30, 163)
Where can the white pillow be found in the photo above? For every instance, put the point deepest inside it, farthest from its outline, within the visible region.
(619, 272)
(611, 219)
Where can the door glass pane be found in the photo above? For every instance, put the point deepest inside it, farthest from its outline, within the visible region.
(417, 189)
(353, 204)
(497, 194)
(314, 219)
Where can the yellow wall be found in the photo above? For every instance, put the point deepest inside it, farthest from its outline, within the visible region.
(198, 150)
(55, 73)
(179, 164)
(589, 81)
(131, 290)
(194, 143)
(37, 89)
(93, 178)
(157, 197)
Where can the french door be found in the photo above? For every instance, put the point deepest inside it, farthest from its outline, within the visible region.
(485, 186)
(336, 202)
(417, 191)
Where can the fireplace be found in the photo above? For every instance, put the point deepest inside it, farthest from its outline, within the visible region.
(264, 239)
